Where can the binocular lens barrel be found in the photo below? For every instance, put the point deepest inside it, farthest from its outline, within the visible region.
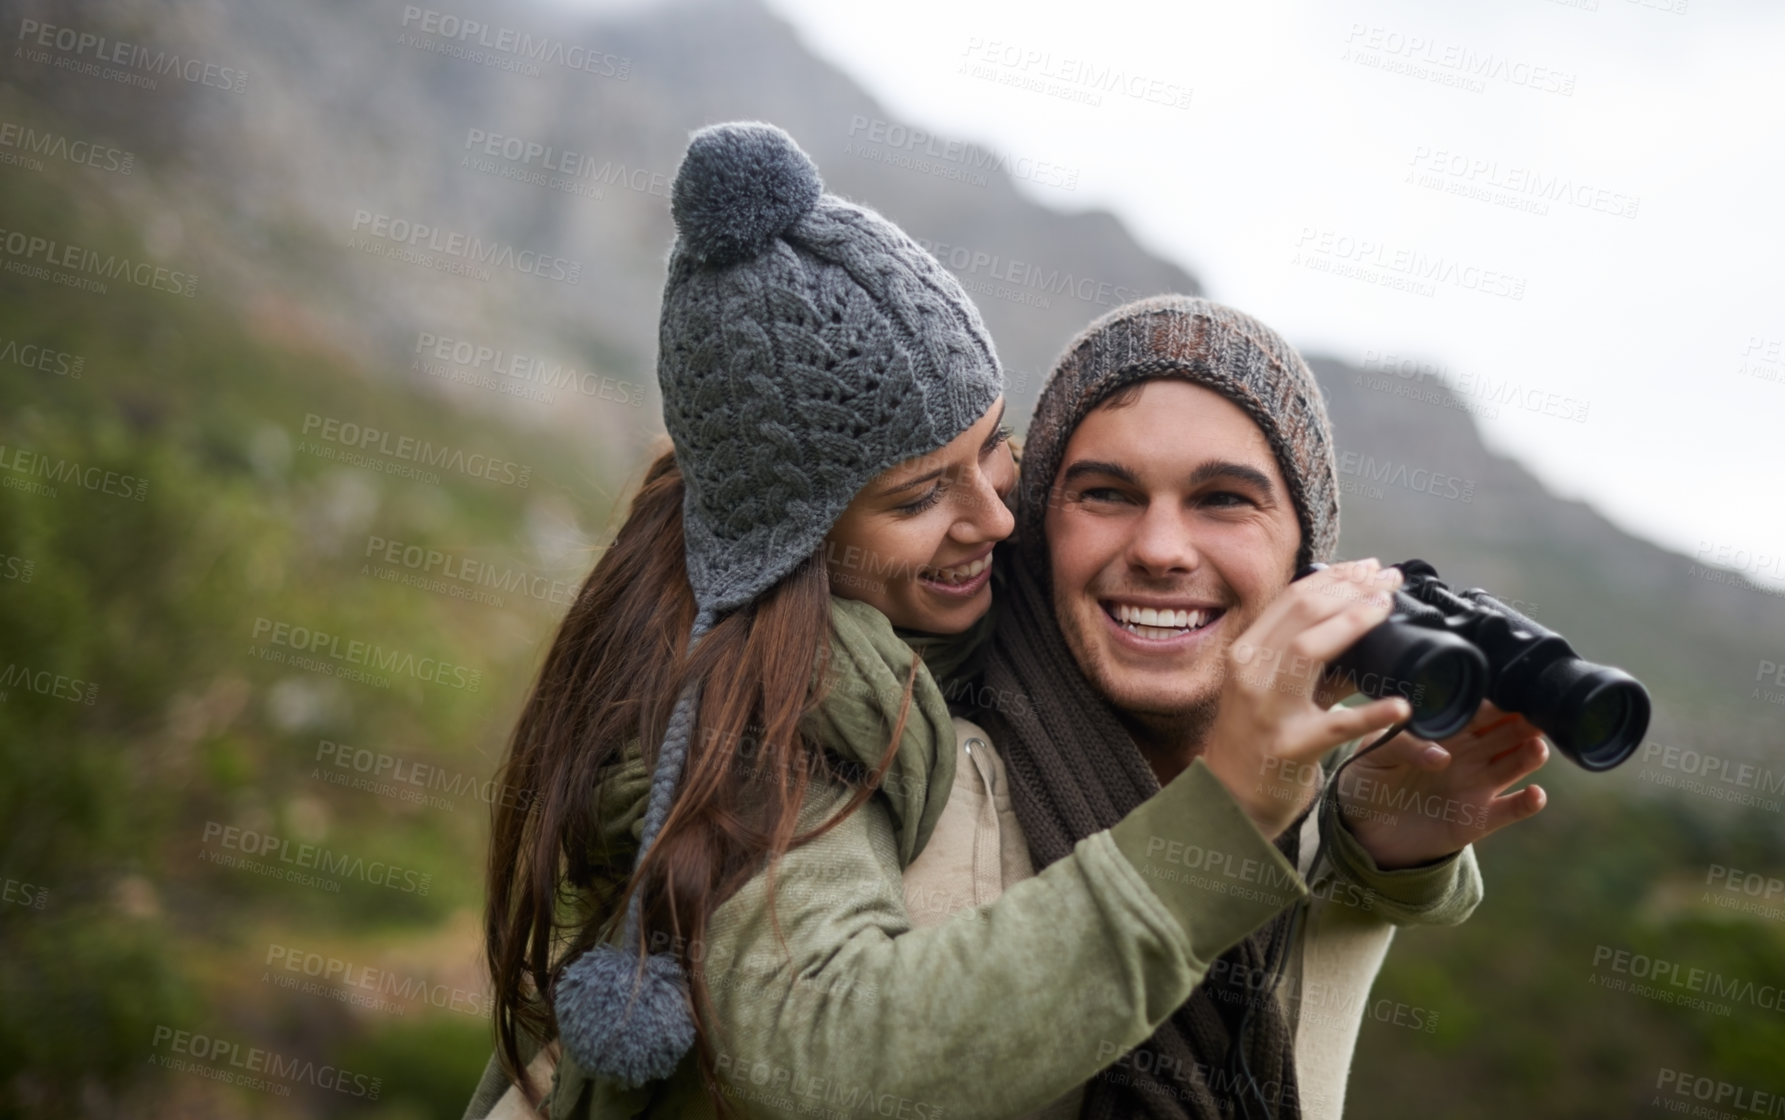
(1596, 716)
(1442, 676)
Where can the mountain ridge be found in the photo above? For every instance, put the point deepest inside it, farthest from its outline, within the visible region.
(396, 133)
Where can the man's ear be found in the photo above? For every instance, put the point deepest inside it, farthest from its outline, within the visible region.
(1297, 571)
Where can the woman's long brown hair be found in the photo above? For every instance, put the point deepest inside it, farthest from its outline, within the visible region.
(611, 676)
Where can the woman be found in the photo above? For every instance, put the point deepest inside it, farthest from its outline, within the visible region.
(834, 404)
(836, 407)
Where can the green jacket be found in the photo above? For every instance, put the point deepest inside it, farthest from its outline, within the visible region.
(1001, 1009)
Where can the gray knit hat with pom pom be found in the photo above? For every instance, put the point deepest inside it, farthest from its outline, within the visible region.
(806, 344)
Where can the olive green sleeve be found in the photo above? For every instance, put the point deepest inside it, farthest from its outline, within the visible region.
(1004, 1007)
(1441, 893)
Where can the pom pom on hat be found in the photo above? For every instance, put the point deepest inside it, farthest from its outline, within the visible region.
(741, 186)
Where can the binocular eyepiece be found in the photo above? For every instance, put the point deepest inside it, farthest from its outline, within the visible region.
(1445, 651)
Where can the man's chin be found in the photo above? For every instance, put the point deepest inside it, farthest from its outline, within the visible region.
(1156, 704)
(1152, 691)
(1174, 721)
(1151, 681)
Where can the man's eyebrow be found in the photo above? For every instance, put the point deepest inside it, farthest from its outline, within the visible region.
(1206, 472)
(1224, 468)
(1083, 467)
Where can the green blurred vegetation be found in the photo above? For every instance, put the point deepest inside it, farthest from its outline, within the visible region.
(154, 603)
(1523, 1029)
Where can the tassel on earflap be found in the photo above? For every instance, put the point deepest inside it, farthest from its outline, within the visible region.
(616, 1019)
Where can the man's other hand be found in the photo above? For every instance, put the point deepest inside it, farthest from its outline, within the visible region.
(1412, 801)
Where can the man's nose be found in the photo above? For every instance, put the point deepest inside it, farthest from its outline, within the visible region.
(1162, 541)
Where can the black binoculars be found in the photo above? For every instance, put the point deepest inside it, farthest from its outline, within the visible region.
(1444, 651)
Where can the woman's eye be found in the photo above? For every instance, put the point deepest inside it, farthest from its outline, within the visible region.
(929, 499)
(999, 439)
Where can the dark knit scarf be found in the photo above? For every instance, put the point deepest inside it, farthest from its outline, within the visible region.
(1074, 770)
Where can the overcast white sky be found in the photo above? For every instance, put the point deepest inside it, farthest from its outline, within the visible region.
(1649, 296)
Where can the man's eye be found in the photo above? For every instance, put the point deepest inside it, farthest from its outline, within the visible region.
(1107, 494)
(1227, 498)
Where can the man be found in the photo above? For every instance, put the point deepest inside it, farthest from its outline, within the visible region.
(1178, 472)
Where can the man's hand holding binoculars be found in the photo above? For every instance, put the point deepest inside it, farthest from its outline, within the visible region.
(1269, 731)
(1484, 693)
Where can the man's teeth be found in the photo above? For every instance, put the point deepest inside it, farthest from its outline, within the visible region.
(958, 575)
(1151, 623)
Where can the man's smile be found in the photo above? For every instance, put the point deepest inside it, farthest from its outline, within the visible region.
(1160, 623)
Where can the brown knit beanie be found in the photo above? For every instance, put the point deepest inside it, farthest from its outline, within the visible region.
(1207, 344)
